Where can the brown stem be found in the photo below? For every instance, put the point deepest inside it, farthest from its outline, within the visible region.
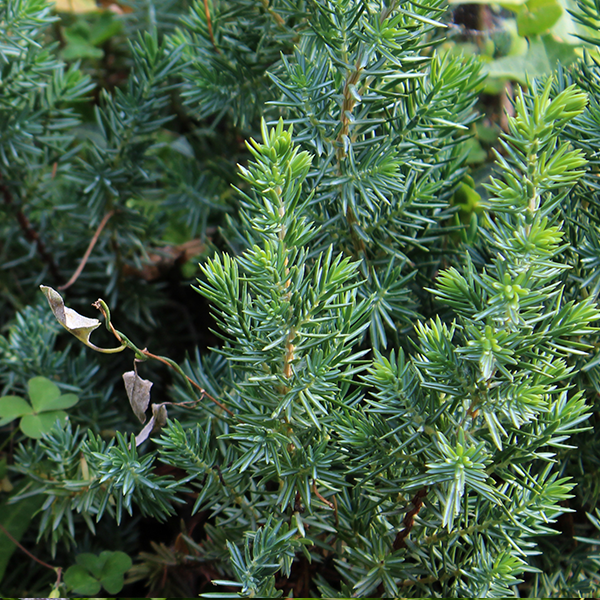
(210, 28)
(409, 519)
(103, 308)
(41, 562)
(335, 511)
(30, 233)
(348, 104)
(90, 247)
(202, 391)
(318, 495)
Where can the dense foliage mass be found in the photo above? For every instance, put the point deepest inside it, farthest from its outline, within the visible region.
(399, 398)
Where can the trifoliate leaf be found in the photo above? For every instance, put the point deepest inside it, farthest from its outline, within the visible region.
(34, 426)
(81, 327)
(45, 395)
(112, 573)
(12, 407)
(81, 582)
(42, 391)
(138, 392)
(113, 583)
(116, 563)
(93, 563)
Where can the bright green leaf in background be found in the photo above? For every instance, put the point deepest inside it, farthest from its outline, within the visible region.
(47, 405)
(541, 58)
(85, 37)
(537, 17)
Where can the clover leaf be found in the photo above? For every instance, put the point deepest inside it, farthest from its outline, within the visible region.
(94, 572)
(47, 405)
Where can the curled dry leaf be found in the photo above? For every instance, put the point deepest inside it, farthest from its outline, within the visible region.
(158, 420)
(159, 413)
(81, 327)
(138, 392)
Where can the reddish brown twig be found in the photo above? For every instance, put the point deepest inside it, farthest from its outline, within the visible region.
(90, 247)
(409, 519)
(30, 233)
(210, 28)
(318, 495)
(16, 543)
(202, 391)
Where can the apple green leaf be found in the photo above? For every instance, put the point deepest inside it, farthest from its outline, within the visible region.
(60, 403)
(12, 407)
(34, 426)
(81, 582)
(41, 392)
(45, 395)
(538, 16)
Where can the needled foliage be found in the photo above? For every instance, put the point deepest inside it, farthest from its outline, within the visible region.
(399, 397)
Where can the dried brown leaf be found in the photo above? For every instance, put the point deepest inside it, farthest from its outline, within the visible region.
(158, 420)
(138, 392)
(81, 327)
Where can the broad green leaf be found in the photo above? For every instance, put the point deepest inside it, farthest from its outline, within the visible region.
(104, 27)
(81, 582)
(93, 563)
(42, 392)
(12, 407)
(540, 59)
(113, 584)
(534, 63)
(538, 16)
(62, 402)
(78, 47)
(559, 52)
(16, 519)
(34, 426)
(117, 563)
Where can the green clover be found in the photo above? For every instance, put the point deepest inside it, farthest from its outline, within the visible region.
(47, 404)
(93, 572)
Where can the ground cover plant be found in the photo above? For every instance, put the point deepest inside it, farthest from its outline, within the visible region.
(383, 382)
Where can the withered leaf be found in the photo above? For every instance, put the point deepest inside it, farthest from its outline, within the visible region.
(158, 420)
(81, 327)
(159, 412)
(138, 392)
